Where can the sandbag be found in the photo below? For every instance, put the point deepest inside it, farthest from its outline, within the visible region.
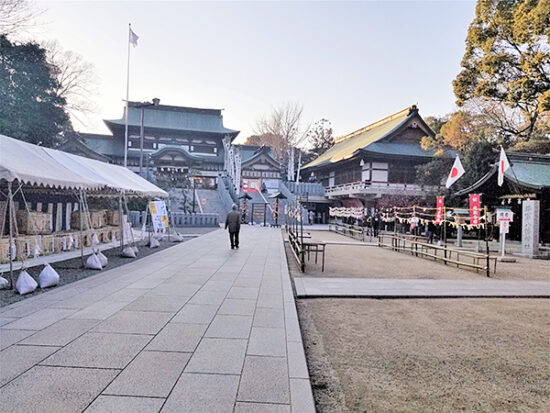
(93, 262)
(154, 243)
(177, 238)
(102, 259)
(3, 283)
(48, 277)
(25, 283)
(135, 249)
(128, 252)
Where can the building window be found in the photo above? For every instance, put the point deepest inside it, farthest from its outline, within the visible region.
(129, 143)
(155, 145)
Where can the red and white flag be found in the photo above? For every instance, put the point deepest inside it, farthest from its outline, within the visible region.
(503, 166)
(456, 172)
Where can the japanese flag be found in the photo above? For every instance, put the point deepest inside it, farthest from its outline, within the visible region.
(503, 166)
(456, 172)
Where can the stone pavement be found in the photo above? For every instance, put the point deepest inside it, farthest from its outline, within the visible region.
(417, 288)
(194, 328)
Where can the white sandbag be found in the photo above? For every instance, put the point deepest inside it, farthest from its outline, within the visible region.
(48, 277)
(154, 243)
(177, 238)
(93, 262)
(37, 250)
(102, 259)
(128, 252)
(3, 283)
(135, 249)
(25, 283)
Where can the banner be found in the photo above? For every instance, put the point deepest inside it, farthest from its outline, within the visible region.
(475, 206)
(344, 212)
(159, 215)
(439, 210)
(251, 185)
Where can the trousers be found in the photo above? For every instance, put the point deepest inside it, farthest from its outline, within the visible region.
(234, 238)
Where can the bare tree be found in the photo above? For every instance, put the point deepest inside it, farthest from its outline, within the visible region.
(76, 77)
(282, 128)
(17, 16)
(285, 131)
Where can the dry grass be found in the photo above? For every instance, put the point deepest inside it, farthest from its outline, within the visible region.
(471, 355)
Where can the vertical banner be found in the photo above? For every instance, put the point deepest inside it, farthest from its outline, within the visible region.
(159, 215)
(439, 210)
(475, 206)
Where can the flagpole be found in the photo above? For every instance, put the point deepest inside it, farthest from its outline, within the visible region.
(127, 98)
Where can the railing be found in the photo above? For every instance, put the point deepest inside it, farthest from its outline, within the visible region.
(224, 194)
(418, 247)
(352, 231)
(303, 188)
(375, 186)
(180, 219)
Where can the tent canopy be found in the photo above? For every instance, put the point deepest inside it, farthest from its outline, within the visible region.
(36, 165)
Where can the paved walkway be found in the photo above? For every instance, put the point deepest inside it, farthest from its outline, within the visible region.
(194, 328)
(417, 288)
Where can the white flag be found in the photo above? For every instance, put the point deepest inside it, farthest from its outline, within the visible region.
(456, 172)
(503, 166)
(133, 38)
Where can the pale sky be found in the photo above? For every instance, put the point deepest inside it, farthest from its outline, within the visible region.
(350, 62)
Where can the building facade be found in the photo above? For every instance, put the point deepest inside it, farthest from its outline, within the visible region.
(376, 161)
(174, 146)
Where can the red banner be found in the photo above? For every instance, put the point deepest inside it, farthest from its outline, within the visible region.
(439, 210)
(475, 207)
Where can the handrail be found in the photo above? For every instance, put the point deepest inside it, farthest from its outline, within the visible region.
(399, 243)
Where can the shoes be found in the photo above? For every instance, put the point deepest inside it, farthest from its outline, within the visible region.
(232, 247)
(237, 247)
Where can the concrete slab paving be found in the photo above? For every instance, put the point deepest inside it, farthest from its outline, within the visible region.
(193, 328)
(219, 356)
(178, 337)
(101, 350)
(150, 374)
(134, 322)
(60, 333)
(54, 389)
(9, 337)
(264, 380)
(199, 393)
(408, 288)
(17, 359)
(125, 404)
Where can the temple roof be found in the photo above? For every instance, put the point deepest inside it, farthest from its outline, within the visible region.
(179, 118)
(528, 170)
(370, 139)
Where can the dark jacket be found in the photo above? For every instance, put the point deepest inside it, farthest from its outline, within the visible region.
(233, 221)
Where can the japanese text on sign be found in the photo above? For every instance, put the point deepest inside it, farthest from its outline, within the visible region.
(159, 215)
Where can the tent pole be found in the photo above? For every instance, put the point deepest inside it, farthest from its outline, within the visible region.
(121, 216)
(81, 202)
(11, 211)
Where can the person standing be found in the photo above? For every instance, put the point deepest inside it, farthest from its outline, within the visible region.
(233, 224)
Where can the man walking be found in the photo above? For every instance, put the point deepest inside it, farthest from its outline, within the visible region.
(233, 224)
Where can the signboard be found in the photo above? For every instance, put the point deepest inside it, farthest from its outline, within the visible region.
(251, 185)
(439, 210)
(475, 206)
(272, 186)
(159, 215)
(504, 227)
(505, 214)
(258, 213)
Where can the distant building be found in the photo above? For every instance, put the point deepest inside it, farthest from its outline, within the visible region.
(528, 178)
(179, 143)
(376, 161)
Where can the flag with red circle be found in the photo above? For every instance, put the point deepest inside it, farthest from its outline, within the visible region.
(456, 172)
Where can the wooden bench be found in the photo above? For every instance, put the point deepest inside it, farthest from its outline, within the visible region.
(316, 246)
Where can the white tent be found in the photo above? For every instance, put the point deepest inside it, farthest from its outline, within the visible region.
(36, 165)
